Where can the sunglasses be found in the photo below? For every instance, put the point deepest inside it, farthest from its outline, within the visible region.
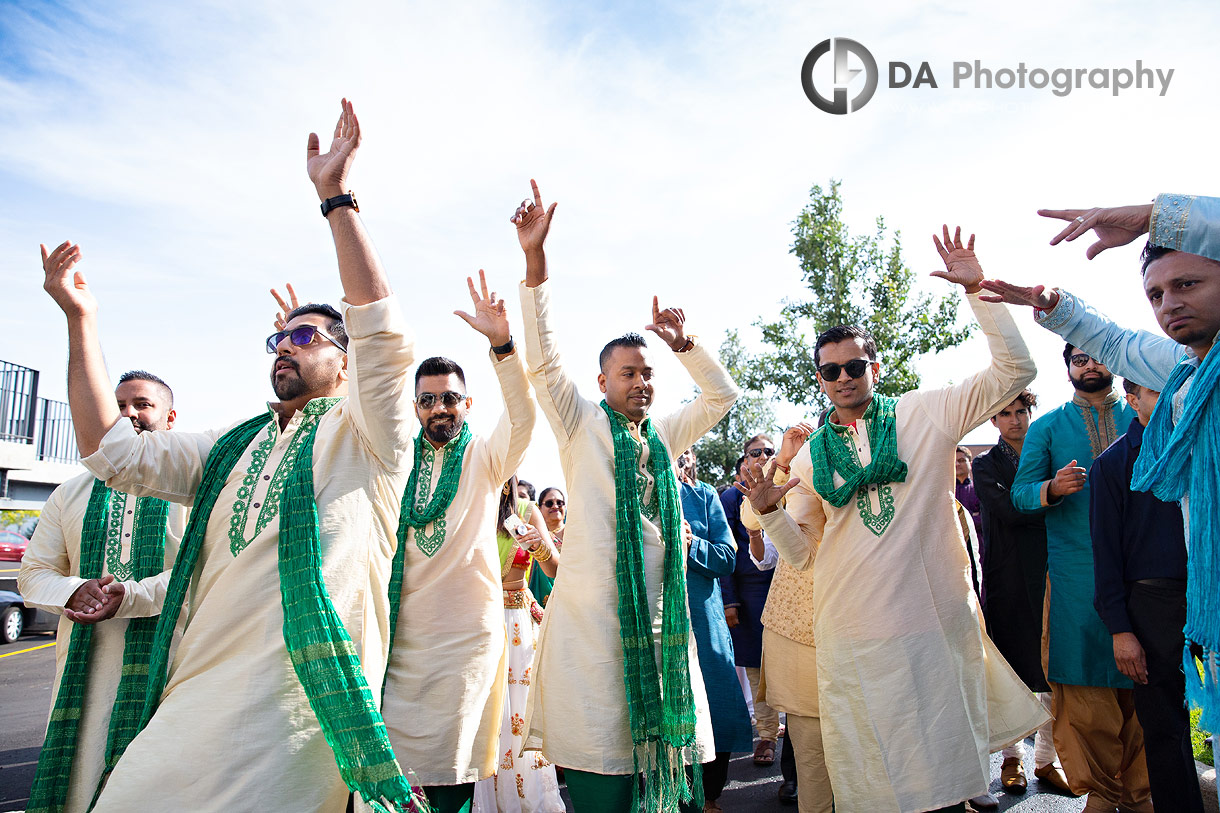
(427, 400)
(855, 368)
(299, 336)
(766, 450)
(554, 503)
(1081, 359)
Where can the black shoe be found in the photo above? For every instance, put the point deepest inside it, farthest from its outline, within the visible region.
(787, 792)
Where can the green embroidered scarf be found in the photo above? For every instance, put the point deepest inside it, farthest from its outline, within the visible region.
(321, 651)
(418, 514)
(831, 451)
(50, 790)
(661, 705)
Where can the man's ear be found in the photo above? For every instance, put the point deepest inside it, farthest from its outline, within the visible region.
(170, 417)
(1133, 402)
(601, 381)
(343, 370)
(993, 420)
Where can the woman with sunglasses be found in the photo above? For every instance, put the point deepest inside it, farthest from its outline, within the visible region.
(522, 784)
(554, 507)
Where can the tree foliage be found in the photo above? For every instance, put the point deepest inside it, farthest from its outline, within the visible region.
(852, 279)
(719, 449)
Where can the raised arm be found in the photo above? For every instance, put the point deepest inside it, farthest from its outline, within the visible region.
(1187, 223)
(533, 222)
(511, 439)
(717, 391)
(960, 408)
(796, 529)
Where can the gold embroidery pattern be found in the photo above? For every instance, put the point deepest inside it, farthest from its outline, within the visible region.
(1170, 215)
(525, 677)
(1100, 427)
(518, 724)
(506, 761)
(520, 786)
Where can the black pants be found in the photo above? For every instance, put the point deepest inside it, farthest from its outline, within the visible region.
(1158, 613)
(715, 776)
(787, 759)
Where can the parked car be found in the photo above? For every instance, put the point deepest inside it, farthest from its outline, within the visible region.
(12, 546)
(16, 619)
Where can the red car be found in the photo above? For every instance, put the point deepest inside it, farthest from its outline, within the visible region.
(12, 546)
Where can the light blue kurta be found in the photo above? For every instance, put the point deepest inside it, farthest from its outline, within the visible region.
(1081, 649)
(713, 553)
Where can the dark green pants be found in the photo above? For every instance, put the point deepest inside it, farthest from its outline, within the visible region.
(450, 798)
(604, 793)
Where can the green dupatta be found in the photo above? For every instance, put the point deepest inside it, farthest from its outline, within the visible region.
(830, 451)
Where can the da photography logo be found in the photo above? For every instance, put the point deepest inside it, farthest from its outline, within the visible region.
(843, 75)
(975, 74)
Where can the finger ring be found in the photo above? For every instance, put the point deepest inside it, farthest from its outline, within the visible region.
(1080, 220)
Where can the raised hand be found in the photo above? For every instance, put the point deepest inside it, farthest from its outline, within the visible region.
(1114, 226)
(328, 170)
(533, 221)
(668, 325)
(490, 316)
(281, 318)
(760, 488)
(1036, 297)
(794, 439)
(67, 288)
(1068, 480)
(961, 265)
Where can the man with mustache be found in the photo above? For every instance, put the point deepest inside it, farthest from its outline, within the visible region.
(445, 685)
(1097, 736)
(270, 700)
(99, 554)
(617, 689)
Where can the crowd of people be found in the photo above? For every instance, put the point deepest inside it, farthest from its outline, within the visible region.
(350, 601)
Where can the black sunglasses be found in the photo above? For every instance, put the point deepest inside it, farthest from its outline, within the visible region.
(554, 503)
(427, 400)
(1081, 359)
(300, 336)
(765, 450)
(855, 368)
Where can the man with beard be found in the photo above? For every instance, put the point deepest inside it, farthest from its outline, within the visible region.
(444, 690)
(1014, 583)
(1097, 735)
(617, 688)
(912, 696)
(265, 705)
(99, 554)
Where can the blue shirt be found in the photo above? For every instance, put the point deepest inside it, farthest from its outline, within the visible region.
(1135, 535)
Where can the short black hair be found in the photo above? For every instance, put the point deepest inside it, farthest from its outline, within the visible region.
(1130, 387)
(529, 488)
(626, 340)
(844, 333)
(1151, 254)
(334, 327)
(439, 365)
(144, 375)
(1067, 354)
(737, 465)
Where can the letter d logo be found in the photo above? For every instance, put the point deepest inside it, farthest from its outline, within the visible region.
(843, 76)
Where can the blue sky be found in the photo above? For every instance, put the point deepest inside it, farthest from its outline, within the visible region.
(168, 140)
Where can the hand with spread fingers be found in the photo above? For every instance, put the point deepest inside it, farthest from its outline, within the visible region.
(668, 325)
(67, 287)
(961, 264)
(760, 488)
(533, 221)
(490, 315)
(1038, 296)
(286, 307)
(1113, 227)
(328, 170)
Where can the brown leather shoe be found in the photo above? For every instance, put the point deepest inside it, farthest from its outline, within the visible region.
(1012, 775)
(764, 753)
(1052, 774)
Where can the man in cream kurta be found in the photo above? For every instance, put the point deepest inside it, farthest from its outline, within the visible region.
(445, 687)
(234, 729)
(912, 695)
(50, 579)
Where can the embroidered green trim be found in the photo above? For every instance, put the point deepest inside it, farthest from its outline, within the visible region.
(428, 543)
(121, 570)
(269, 508)
(427, 508)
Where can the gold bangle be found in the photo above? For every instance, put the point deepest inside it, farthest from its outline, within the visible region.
(541, 554)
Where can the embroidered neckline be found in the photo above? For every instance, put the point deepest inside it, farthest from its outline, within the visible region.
(115, 565)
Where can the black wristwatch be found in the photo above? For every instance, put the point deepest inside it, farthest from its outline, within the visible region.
(504, 349)
(330, 204)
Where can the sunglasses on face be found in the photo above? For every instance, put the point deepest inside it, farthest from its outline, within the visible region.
(1081, 359)
(855, 368)
(427, 400)
(554, 503)
(765, 450)
(299, 336)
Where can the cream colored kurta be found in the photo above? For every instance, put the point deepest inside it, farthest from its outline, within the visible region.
(234, 730)
(577, 712)
(445, 688)
(50, 574)
(913, 696)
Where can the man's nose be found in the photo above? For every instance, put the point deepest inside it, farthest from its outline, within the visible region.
(128, 411)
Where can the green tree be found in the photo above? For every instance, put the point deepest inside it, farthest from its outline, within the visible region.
(852, 279)
(719, 449)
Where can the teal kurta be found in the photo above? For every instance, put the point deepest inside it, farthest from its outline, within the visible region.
(1081, 649)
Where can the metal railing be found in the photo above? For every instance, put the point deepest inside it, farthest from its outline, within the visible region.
(27, 418)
